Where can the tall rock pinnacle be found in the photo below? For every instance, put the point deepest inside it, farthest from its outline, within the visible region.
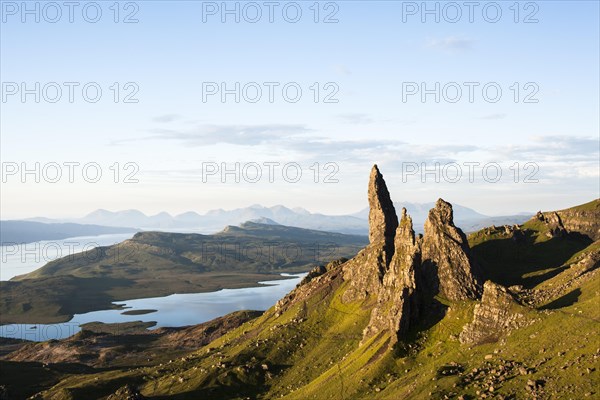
(447, 261)
(366, 271)
(400, 272)
(382, 215)
(397, 305)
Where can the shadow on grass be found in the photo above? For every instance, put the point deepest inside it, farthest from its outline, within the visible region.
(564, 301)
(534, 280)
(507, 261)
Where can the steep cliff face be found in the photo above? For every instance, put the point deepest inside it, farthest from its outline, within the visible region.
(581, 220)
(364, 273)
(448, 265)
(584, 219)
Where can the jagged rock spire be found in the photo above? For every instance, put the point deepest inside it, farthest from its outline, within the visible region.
(447, 261)
(407, 255)
(383, 220)
(366, 271)
(402, 272)
(397, 305)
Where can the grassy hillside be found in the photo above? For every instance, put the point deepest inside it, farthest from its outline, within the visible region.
(310, 351)
(249, 248)
(158, 263)
(308, 346)
(524, 256)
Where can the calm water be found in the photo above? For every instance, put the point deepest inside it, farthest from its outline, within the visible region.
(19, 259)
(175, 310)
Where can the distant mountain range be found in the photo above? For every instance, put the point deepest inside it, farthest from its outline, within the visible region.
(215, 220)
(466, 218)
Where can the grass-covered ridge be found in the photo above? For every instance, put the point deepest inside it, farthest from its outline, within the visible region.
(308, 345)
(159, 263)
(528, 254)
(317, 357)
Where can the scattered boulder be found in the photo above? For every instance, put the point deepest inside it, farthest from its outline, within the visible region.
(126, 392)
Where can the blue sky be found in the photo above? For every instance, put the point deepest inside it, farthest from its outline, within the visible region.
(368, 56)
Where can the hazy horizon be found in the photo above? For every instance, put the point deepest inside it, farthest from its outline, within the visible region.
(202, 213)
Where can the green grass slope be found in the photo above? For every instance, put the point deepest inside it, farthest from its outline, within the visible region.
(309, 349)
(159, 264)
(251, 247)
(308, 345)
(525, 256)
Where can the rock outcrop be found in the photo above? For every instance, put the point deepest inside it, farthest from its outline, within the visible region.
(584, 219)
(126, 392)
(448, 266)
(496, 315)
(383, 220)
(365, 272)
(398, 270)
(554, 222)
(320, 282)
(321, 270)
(397, 305)
(582, 268)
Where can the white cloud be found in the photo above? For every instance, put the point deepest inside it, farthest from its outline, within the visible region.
(451, 44)
(342, 70)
